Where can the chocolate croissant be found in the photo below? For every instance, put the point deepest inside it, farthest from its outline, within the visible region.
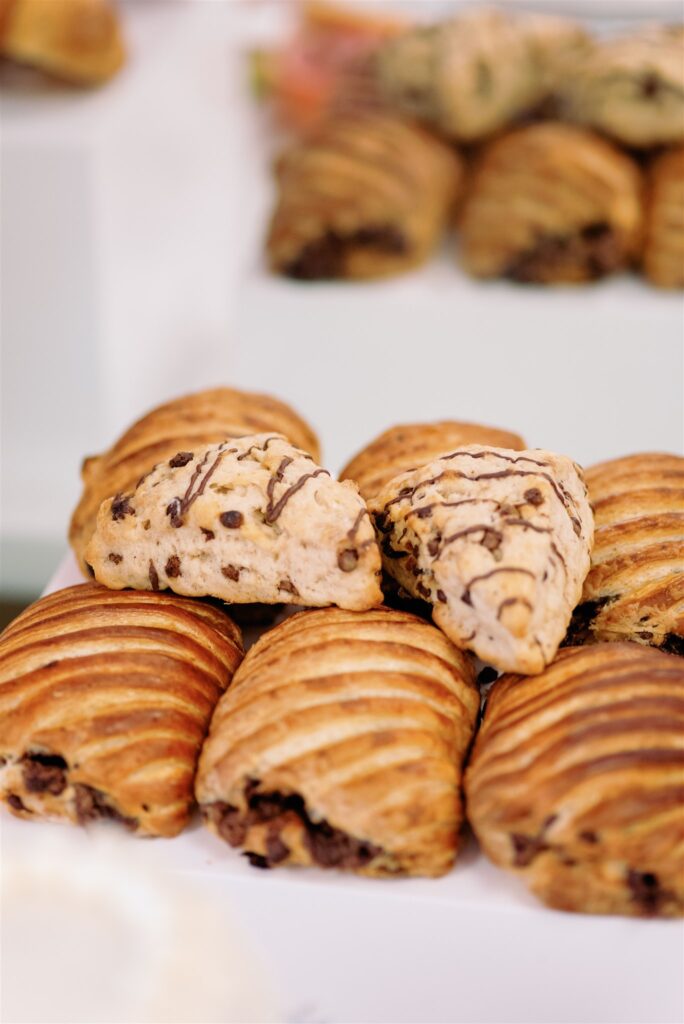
(402, 448)
(75, 40)
(105, 700)
(249, 520)
(635, 588)
(340, 744)
(663, 257)
(632, 88)
(576, 781)
(367, 197)
(498, 542)
(184, 424)
(471, 76)
(551, 204)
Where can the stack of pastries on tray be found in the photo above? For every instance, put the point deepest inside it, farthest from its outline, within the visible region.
(351, 734)
(556, 156)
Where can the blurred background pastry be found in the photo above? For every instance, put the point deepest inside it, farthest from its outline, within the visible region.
(663, 258)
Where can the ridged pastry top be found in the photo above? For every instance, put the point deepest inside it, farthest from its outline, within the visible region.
(498, 542)
(635, 589)
(368, 196)
(366, 719)
(577, 780)
(403, 448)
(187, 423)
(551, 203)
(105, 699)
(664, 245)
(251, 520)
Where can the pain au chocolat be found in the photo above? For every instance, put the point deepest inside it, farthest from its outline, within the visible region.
(75, 40)
(551, 203)
(635, 588)
(250, 520)
(184, 424)
(340, 744)
(576, 781)
(663, 256)
(105, 700)
(368, 196)
(498, 542)
(404, 447)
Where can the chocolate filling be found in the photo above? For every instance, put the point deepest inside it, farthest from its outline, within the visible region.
(593, 248)
(91, 804)
(579, 630)
(324, 257)
(44, 773)
(673, 644)
(329, 847)
(646, 892)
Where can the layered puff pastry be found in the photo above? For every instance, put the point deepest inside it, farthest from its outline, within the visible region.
(576, 781)
(340, 744)
(367, 197)
(498, 542)
(78, 41)
(635, 588)
(663, 256)
(471, 76)
(184, 424)
(551, 204)
(105, 701)
(249, 520)
(404, 447)
(632, 88)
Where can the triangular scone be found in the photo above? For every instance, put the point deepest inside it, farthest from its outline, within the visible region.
(498, 541)
(248, 520)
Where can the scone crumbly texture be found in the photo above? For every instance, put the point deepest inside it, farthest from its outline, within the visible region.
(253, 519)
(498, 542)
(341, 744)
(551, 203)
(635, 587)
(663, 257)
(576, 781)
(105, 701)
(368, 196)
(404, 447)
(184, 424)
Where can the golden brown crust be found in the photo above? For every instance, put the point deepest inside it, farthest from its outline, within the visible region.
(341, 743)
(76, 40)
(635, 588)
(105, 699)
(550, 204)
(188, 423)
(368, 197)
(408, 446)
(663, 259)
(576, 781)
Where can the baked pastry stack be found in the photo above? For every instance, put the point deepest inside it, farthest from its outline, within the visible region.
(105, 700)
(370, 195)
(576, 781)
(341, 744)
(663, 258)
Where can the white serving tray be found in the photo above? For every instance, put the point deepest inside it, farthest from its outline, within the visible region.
(473, 946)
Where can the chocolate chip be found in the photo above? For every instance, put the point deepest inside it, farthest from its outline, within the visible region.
(534, 496)
(232, 520)
(15, 801)
(289, 587)
(181, 459)
(173, 567)
(154, 576)
(121, 507)
(650, 85)
(433, 547)
(491, 539)
(114, 557)
(44, 773)
(146, 524)
(422, 590)
(173, 511)
(646, 891)
(91, 804)
(276, 849)
(425, 512)
(587, 836)
(526, 848)
(441, 596)
(208, 534)
(348, 559)
(645, 635)
(231, 572)
(257, 860)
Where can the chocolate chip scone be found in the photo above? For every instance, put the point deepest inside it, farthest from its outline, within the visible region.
(368, 196)
(663, 256)
(184, 424)
(105, 700)
(635, 588)
(498, 542)
(404, 447)
(341, 744)
(632, 88)
(551, 203)
(576, 781)
(250, 520)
